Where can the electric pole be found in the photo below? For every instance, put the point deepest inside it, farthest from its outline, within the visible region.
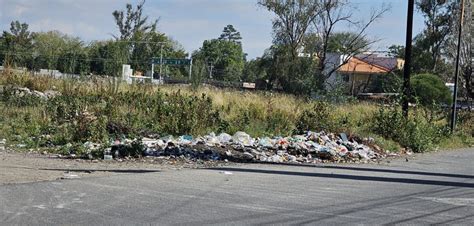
(407, 67)
(210, 70)
(161, 60)
(456, 73)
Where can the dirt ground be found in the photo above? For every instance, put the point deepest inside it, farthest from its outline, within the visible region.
(18, 167)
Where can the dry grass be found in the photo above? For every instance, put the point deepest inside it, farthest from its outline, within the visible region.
(258, 113)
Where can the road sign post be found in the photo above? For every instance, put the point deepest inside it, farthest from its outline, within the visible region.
(172, 61)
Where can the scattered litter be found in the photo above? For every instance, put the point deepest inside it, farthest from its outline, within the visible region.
(70, 176)
(226, 172)
(310, 147)
(108, 154)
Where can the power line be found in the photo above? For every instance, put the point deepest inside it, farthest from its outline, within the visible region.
(71, 58)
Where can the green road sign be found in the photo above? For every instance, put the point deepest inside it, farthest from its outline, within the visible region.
(167, 61)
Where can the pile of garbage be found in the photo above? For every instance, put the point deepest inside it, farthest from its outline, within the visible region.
(23, 91)
(311, 147)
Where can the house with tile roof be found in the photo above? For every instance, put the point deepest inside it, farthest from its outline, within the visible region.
(356, 73)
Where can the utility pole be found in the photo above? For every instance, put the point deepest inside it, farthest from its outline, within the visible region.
(152, 69)
(210, 70)
(161, 60)
(456, 73)
(407, 67)
(190, 68)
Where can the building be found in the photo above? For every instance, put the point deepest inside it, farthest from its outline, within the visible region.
(355, 74)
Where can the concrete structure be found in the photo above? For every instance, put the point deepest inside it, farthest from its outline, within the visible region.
(54, 73)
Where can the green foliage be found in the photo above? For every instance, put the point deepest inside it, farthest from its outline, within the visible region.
(102, 111)
(389, 83)
(131, 21)
(316, 118)
(397, 51)
(139, 43)
(430, 89)
(230, 34)
(199, 73)
(293, 75)
(415, 132)
(226, 57)
(254, 70)
(438, 20)
(16, 45)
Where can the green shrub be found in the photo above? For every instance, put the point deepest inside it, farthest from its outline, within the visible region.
(316, 118)
(279, 123)
(414, 132)
(430, 89)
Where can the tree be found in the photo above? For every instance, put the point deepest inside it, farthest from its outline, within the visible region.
(430, 89)
(290, 26)
(142, 41)
(131, 21)
(150, 45)
(230, 34)
(397, 51)
(293, 19)
(133, 28)
(73, 57)
(312, 24)
(334, 13)
(17, 44)
(48, 46)
(225, 57)
(254, 70)
(466, 53)
(438, 18)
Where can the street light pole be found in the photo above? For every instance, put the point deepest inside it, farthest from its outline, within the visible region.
(407, 67)
(456, 73)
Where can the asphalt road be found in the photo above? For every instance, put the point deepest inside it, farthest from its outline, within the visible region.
(436, 188)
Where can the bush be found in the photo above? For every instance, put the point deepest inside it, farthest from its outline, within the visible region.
(414, 132)
(430, 89)
(316, 118)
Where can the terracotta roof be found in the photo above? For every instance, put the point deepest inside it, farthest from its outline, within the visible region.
(355, 65)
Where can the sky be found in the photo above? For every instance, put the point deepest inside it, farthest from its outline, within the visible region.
(190, 22)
